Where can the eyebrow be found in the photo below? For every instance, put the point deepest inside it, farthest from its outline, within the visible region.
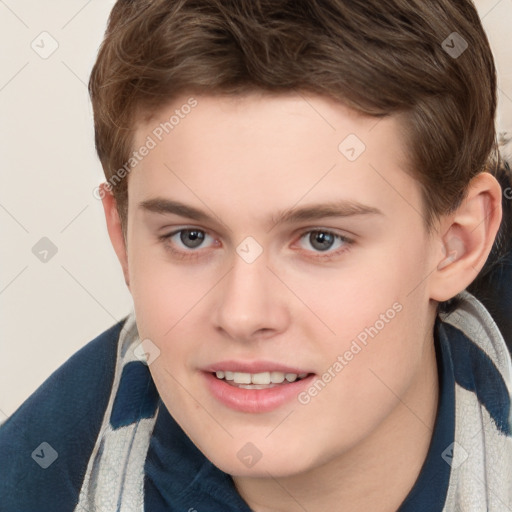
(342, 208)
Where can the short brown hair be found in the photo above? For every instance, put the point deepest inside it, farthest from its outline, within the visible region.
(377, 57)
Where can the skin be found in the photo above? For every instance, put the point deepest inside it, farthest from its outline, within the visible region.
(362, 440)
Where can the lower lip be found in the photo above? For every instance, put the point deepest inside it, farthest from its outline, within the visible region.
(254, 400)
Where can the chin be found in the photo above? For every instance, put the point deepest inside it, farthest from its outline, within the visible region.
(274, 466)
(260, 458)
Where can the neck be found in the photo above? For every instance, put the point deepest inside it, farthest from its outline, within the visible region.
(377, 474)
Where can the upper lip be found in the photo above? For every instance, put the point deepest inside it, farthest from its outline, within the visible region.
(253, 367)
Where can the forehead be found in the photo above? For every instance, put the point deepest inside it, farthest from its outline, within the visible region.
(262, 151)
(277, 120)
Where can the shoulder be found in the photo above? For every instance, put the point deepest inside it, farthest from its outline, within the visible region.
(46, 443)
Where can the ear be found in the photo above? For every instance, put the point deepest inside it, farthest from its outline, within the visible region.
(115, 230)
(466, 237)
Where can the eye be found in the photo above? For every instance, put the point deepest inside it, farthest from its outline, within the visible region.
(324, 241)
(189, 238)
(192, 238)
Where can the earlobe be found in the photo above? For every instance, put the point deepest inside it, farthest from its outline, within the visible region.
(115, 229)
(467, 236)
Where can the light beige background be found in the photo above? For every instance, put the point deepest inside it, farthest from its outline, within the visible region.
(49, 171)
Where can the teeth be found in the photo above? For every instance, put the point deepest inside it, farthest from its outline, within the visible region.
(253, 386)
(260, 378)
(277, 377)
(263, 378)
(242, 378)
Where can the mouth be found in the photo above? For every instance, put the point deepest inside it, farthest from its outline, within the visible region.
(262, 380)
(255, 388)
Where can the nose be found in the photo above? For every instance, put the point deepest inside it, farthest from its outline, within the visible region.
(251, 305)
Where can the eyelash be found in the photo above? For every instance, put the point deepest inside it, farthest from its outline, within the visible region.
(192, 254)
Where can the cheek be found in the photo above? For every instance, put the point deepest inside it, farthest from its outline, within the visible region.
(371, 283)
(163, 293)
(165, 302)
(377, 312)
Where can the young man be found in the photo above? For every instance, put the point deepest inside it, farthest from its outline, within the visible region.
(299, 195)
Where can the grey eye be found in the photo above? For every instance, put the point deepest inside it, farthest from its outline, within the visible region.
(321, 240)
(192, 238)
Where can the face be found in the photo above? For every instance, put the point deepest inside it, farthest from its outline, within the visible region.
(277, 258)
